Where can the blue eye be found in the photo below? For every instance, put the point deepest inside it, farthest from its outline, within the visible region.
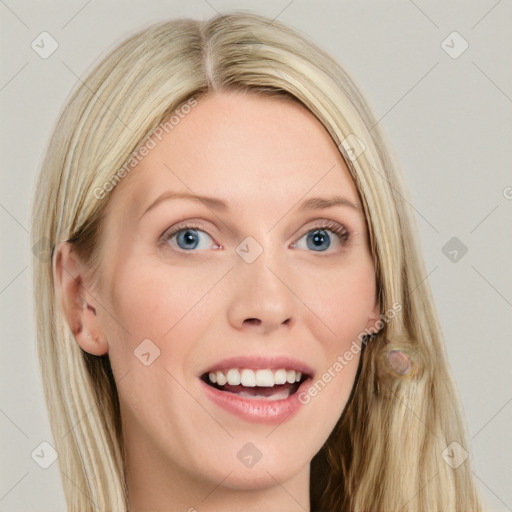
(187, 237)
(318, 239)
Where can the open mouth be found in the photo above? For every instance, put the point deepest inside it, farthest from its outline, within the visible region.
(257, 384)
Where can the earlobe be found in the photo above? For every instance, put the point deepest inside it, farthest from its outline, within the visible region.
(76, 302)
(374, 317)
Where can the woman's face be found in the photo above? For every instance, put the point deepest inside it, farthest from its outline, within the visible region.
(253, 280)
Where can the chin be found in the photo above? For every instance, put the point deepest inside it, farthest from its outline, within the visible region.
(269, 464)
(259, 477)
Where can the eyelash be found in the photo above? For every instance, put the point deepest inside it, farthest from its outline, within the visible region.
(338, 229)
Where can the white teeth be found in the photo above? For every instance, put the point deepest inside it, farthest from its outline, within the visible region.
(221, 379)
(265, 378)
(280, 377)
(248, 378)
(233, 377)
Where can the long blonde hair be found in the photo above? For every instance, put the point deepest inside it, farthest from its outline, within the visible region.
(385, 452)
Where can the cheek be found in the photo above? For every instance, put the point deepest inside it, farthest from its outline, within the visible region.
(343, 308)
(150, 300)
(343, 300)
(154, 301)
(158, 321)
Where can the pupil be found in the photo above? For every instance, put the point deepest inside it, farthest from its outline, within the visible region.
(319, 237)
(189, 238)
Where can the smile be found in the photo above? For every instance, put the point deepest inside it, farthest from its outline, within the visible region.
(257, 394)
(263, 383)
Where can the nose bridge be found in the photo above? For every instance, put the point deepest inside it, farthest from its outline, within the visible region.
(263, 260)
(261, 291)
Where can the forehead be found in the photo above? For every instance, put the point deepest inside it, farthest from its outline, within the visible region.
(250, 150)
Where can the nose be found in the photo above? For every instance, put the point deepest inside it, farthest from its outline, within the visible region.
(261, 298)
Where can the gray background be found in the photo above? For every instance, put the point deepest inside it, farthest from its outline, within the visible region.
(448, 119)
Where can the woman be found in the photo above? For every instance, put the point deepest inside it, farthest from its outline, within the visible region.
(234, 315)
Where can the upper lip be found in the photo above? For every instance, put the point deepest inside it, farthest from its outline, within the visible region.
(255, 362)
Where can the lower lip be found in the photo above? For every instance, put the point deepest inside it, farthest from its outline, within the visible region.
(256, 410)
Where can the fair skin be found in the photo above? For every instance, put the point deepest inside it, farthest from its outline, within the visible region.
(263, 157)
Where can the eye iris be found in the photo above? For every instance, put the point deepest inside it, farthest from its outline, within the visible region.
(189, 236)
(318, 236)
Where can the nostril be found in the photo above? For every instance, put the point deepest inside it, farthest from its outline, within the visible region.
(256, 321)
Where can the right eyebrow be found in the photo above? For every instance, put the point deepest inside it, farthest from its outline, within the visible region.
(212, 202)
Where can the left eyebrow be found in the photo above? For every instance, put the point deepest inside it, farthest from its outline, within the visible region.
(313, 203)
(319, 203)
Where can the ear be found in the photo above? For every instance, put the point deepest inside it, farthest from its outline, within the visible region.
(373, 316)
(77, 302)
